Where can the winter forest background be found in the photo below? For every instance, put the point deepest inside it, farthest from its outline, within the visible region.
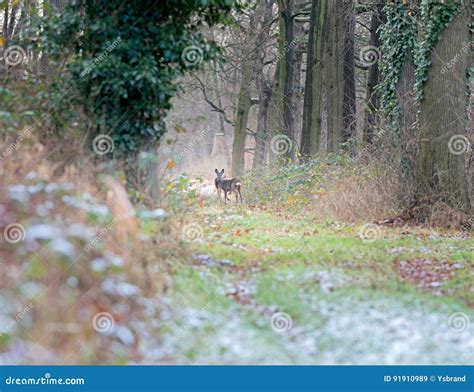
(348, 124)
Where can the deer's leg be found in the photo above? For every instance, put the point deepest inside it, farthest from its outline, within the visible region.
(225, 196)
(240, 194)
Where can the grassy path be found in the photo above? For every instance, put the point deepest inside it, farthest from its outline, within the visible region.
(270, 287)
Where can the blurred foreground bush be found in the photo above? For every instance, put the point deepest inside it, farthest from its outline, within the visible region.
(72, 289)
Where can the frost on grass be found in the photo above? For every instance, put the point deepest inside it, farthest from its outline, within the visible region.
(339, 325)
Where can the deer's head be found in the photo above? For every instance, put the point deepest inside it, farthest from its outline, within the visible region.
(220, 174)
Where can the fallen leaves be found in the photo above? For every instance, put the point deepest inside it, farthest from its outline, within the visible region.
(427, 273)
(239, 232)
(171, 164)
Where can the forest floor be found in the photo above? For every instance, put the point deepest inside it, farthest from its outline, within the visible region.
(267, 286)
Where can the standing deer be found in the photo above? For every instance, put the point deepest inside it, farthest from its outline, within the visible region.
(232, 185)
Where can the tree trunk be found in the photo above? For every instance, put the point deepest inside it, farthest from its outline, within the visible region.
(274, 112)
(330, 83)
(403, 143)
(264, 88)
(242, 114)
(141, 174)
(341, 73)
(287, 77)
(347, 27)
(220, 151)
(313, 99)
(152, 177)
(300, 49)
(440, 167)
(261, 137)
(5, 24)
(371, 121)
(22, 20)
(14, 10)
(244, 103)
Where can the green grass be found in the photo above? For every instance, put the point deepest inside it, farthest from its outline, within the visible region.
(346, 300)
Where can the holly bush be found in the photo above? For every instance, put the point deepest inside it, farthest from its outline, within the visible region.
(123, 60)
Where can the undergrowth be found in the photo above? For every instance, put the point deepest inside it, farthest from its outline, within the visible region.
(328, 187)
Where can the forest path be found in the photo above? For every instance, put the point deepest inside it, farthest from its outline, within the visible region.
(274, 287)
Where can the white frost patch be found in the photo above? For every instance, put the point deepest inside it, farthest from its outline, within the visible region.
(389, 332)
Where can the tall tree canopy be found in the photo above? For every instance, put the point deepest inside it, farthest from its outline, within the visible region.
(124, 59)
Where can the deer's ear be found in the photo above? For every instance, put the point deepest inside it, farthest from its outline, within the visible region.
(216, 171)
(222, 170)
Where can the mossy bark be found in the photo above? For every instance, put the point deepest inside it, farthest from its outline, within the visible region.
(242, 115)
(371, 121)
(287, 77)
(440, 173)
(330, 83)
(313, 99)
(264, 88)
(341, 76)
(244, 101)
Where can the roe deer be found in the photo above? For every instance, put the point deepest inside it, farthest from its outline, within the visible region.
(232, 185)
